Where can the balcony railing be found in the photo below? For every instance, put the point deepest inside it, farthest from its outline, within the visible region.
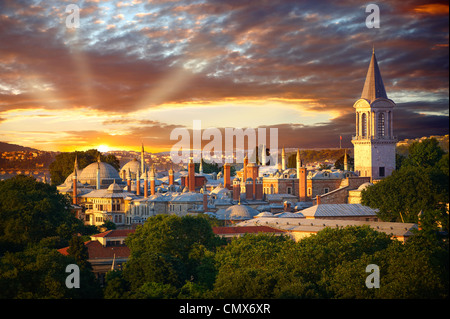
(362, 138)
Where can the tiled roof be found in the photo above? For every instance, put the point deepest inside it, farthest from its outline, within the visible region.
(97, 251)
(115, 233)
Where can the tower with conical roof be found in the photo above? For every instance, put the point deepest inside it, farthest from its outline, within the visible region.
(374, 142)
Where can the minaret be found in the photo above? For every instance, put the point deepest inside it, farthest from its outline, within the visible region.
(138, 184)
(129, 180)
(98, 172)
(374, 142)
(146, 184)
(283, 159)
(75, 181)
(345, 161)
(142, 160)
(299, 163)
(200, 168)
(263, 156)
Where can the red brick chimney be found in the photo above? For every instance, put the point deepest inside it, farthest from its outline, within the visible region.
(152, 181)
(191, 174)
(226, 176)
(236, 188)
(249, 189)
(259, 189)
(171, 177)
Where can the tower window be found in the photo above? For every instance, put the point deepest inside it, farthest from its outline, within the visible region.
(364, 124)
(381, 125)
(381, 172)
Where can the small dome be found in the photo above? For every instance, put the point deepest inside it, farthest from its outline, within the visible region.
(237, 212)
(364, 186)
(114, 188)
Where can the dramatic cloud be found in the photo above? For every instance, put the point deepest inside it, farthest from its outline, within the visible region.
(137, 69)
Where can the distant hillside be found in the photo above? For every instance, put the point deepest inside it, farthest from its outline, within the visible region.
(6, 147)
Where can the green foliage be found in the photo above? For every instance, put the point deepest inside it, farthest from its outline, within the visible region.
(169, 250)
(419, 184)
(39, 273)
(426, 153)
(79, 252)
(31, 211)
(63, 164)
(339, 164)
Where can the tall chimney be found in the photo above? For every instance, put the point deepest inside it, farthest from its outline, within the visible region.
(259, 189)
(244, 176)
(226, 176)
(302, 180)
(236, 188)
(249, 189)
(152, 181)
(171, 177)
(191, 173)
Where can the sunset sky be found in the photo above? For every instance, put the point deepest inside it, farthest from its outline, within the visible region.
(135, 70)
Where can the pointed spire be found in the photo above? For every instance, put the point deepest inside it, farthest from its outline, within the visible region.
(142, 160)
(75, 166)
(373, 87)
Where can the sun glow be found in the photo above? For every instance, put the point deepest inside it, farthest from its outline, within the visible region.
(103, 148)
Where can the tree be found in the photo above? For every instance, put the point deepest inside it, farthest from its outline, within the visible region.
(171, 250)
(63, 165)
(79, 252)
(339, 164)
(426, 153)
(401, 196)
(31, 211)
(39, 272)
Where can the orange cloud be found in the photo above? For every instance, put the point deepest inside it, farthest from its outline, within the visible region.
(432, 8)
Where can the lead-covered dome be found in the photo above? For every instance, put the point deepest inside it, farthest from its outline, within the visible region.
(108, 174)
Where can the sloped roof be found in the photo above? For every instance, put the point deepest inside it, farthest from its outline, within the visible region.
(338, 210)
(373, 87)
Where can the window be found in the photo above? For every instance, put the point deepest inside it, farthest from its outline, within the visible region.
(381, 124)
(364, 124)
(381, 172)
(289, 190)
(326, 190)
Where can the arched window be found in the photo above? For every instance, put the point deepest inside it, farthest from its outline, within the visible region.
(364, 124)
(381, 125)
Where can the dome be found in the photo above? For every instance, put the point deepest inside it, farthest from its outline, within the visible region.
(69, 179)
(108, 174)
(114, 188)
(134, 166)
(237, 212)
(364, 186)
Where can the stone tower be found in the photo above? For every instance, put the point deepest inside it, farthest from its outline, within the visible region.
(374, 142)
